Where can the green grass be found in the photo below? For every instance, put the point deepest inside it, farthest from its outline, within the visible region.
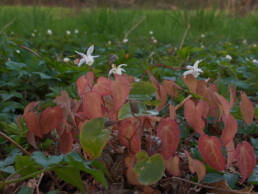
(103, 24)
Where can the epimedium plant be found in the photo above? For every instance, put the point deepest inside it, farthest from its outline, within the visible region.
(117, 114)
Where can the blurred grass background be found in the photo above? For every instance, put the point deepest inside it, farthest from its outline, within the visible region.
(103, 24)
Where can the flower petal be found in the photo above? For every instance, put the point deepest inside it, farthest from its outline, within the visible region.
(188, 73)
(90, 50)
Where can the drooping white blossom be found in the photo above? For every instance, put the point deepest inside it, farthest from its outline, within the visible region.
(117, 69)
(87, 58)
(193, 70)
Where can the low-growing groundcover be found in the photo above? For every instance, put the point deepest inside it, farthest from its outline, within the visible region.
(152, 128)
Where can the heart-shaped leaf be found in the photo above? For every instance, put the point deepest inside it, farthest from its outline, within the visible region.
(103, 86)
(50, 119)
(32, 123)
(149, 170)
(229, 130)
(169, 134)
(210, 149)
(66, 142)
(172, 165)
(93, 137)
(245, 157)
(247, 108)
(92, 105)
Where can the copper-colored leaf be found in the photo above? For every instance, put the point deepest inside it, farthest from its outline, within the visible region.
(31, 139)
(120, 91)
(212, 101)
(193, 115)
(162, 96)
(191, 83)
(92, 105)
(169, 134)
(50, 119)
(32, 123)
(128, 135)
(232, 96)
(172, 165)
(230, 129)
(210, 149)
(247, 108)
(230, 147)
(245, 157)
(103, 86)
(66, 142)
(196, 166)
(171, 88)
(132, 177)
(82, 85)
(30, 106)
(224, 104)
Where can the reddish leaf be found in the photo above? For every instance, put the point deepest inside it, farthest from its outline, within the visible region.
(172, 165)
(50, 119)
(30, 107)
(191, 83)
(120, 91)
(245, 157)
(103, 86)
(172, 112)
(171, 88)
(169, 134)
(32, 123)
(196, 166)
(247, 108)
(31, 139)
(153, 80)
(92, 105)
(66, 142)
(230, 129)
(212, 100)
(201, 87)
(162, 96)
(224, 103)
(90, 76)
(193, 115)
(210, 149)
(230, 147)
(232, 96)
(82, 85)
(128, 135)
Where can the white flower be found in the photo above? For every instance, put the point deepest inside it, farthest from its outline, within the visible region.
(49, 32)
(33, 34)
(117, 70)
(193, 70)
(154, 41)
(202, 35)
(255, 61)
(125, 40)
(66, 59)
(228, 57)
(244, 41)
(76, 31)
(109, 42)
(150, 32)
(254, 45)
(68, 32)
(18, 51)
(87, 58)
(202, 46)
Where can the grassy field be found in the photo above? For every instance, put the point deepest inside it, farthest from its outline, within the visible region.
(109, 24)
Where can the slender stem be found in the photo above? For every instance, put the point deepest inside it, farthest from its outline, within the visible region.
(182, 103)
(7, 25)
(134, 27)
(14, 143)
(205, 186)
(184, 36)
(30, 50)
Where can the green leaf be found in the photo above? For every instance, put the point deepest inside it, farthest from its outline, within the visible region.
(231, 179)
(70, 175)
(8, 169)
(53, 192)
(142, 88)
(93, 137)
(24, 165)
(253, 179)
(125, 111)
(25, 190)
(39, 158)
(83, 166)
(149, 170)
(10, 159)
(212, 178)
